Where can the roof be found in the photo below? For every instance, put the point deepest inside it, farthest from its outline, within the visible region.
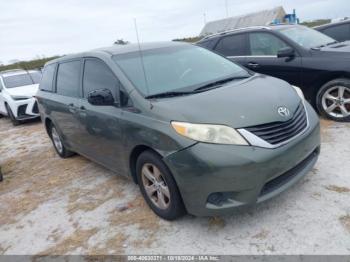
(15, 72)
(251, 28)
(261, 18)
(121, 49)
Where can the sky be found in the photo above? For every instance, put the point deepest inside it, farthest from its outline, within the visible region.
(37, 28)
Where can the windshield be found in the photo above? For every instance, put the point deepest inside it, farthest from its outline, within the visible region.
(306, 37)
(175, 69)
(22, 79)
(36, 76)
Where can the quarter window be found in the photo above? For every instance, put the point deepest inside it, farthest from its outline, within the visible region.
(47, 78)
(233, 45)
(97, 75)
(264, 44)
(68, 76)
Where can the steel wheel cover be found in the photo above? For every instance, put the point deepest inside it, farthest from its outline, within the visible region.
(155, 186)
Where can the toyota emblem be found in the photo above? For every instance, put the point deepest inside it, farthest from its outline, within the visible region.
(283, 111)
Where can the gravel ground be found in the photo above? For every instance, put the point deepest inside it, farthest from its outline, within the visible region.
(73, 206)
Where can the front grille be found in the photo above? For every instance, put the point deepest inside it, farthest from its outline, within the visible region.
(35, 108)
(278, 132)
(289, 175)
(22, 110)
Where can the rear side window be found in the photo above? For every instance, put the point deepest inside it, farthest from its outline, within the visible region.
(340, 32)
(265, 44)
(47, 78)
(97, 75)
(68, 76)
(233, 45)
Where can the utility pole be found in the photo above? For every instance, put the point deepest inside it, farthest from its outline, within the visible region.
(205, 18)
(226, 7)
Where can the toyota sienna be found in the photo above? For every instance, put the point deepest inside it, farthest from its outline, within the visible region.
(196, 132)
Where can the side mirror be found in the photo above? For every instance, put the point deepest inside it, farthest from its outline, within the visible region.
(286, 52)
(101, 97)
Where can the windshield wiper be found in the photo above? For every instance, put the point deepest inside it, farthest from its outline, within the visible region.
(328, 44)
(168, 94)
(219, 83)
(197, 90)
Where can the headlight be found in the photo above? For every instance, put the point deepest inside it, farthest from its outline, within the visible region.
(19, 97)
(299, 92)
(216, 134)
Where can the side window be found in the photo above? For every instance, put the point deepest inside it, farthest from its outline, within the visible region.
(340, 32)
(207, 44)
(47, 78)
(1, 86)
(68, 76)
(97, 75)
(265, 44)
(233, 45)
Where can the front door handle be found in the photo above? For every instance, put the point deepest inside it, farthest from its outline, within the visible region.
(253, 65)
(72, 108)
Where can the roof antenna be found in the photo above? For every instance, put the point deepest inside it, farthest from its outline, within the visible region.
(25, 69)
(141, 57)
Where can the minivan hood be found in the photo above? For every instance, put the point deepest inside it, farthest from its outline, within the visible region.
(242, 103)
(29, 90)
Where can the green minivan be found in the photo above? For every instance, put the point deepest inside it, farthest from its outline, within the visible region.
(198, 133)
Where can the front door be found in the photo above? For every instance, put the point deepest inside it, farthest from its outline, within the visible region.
(101, 131)
(2, 102)
(262, 58)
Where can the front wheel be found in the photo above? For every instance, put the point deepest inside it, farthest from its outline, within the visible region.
(61, 150)
(333, 100)
(158, 186)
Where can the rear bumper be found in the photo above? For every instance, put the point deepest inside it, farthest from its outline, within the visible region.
(220, 179)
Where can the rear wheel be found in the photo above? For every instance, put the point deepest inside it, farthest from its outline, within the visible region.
(14, 121)
(158, 186)
(61, 150)
(333, 100)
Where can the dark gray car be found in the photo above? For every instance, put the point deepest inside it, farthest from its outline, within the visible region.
(197, 132)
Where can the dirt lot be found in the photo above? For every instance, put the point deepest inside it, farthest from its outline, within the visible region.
(53, 206)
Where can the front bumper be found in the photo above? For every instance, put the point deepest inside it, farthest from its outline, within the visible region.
(220, 179)
(26, 109)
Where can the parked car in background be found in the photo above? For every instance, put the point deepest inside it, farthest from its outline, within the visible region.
(17, 90)
(197, 132)
(340, 31)
(304, 57)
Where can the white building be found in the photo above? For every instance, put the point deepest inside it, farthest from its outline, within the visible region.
(260, 18)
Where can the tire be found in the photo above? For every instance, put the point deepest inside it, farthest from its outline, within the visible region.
(61, 150)
(163, 184)
(333, 100)
(14, 121)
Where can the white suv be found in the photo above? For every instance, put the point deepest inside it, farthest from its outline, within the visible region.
(17, 90)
